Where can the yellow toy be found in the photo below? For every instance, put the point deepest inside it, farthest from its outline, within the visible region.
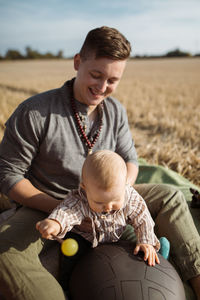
(69, 247)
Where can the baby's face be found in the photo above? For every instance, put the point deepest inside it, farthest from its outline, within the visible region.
(102, 201)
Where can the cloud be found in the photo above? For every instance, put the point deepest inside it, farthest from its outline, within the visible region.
(152, 26)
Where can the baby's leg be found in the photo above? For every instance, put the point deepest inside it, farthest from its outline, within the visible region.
(164, 247)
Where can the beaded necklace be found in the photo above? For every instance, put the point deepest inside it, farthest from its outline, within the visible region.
(88, 141)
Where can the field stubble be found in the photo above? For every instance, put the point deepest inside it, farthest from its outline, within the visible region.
(162, 98)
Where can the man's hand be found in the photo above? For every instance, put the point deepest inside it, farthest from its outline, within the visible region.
(48, 228)
(149, 253)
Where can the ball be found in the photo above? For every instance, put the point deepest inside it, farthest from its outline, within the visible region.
(112, 272)
(69, 247)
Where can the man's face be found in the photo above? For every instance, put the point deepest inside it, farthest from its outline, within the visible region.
(96, 78)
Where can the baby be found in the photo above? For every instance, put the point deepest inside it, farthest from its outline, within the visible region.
(108, 204)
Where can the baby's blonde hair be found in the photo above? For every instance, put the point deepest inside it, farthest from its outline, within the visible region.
(105, 167)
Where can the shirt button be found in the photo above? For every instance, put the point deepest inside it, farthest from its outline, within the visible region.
(103, 216)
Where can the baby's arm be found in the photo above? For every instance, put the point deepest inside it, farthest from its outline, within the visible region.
(63, 218)
(150, 253)
(48, 228)
(139, 217)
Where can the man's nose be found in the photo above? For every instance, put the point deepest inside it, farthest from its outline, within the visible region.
(102, 86)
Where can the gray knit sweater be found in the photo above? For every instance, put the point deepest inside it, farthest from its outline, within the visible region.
(42, 143)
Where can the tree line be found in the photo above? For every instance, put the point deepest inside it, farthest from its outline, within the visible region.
(13, 54)
(174, 53)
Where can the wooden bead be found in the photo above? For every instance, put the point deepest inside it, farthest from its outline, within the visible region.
(82, 129)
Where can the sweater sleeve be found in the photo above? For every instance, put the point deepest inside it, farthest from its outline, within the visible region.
(139, 217)
(18, 148)
(125, 145)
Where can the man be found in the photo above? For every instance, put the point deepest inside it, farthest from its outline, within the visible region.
(41, 155)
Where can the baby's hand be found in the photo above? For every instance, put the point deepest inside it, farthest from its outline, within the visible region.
(149, 253)
(48, 228)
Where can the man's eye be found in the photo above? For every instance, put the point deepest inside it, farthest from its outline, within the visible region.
(111, 81)
(95, 76)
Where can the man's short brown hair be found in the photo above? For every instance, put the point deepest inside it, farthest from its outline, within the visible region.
(106, 42)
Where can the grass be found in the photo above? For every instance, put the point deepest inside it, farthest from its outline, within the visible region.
(162, 98)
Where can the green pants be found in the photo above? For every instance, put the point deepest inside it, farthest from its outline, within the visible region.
(173, 220)
(22, 276)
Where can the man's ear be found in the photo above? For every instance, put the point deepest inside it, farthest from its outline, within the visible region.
(82, 185)
(77, 61)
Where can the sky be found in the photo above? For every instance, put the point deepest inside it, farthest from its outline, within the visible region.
(154, 27)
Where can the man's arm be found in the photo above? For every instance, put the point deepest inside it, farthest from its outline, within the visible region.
(125, 145)
(26, 194)
(18, 149)
(132, 172)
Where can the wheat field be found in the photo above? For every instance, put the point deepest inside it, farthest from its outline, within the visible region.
(162, 98)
